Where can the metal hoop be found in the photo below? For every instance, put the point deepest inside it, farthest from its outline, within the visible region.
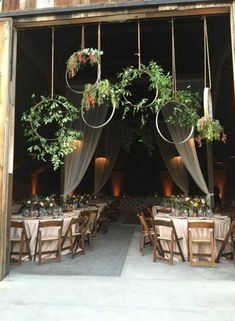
(167, 140)
(35, 130)
(76, 91)
(156, 94)
(97, 126)
(207, 102)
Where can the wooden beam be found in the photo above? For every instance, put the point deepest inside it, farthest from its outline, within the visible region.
(5, 70)
(232, 27)
(125, 15)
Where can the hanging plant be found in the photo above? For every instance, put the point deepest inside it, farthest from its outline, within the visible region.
(102, 92)
(160, 83)
(210, 130)
(98, 94)
(56, 112)
(81, 58)
(186, 107)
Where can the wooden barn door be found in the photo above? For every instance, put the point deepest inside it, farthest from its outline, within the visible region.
(7, 85)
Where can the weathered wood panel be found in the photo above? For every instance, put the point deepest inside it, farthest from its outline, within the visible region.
(24, 5)
(10, 5)
(232, 25)
(5, 69)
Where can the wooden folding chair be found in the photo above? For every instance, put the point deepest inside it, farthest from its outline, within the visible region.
(229, 238)
(170, 237)
(19, 235)
(49, 232)
(194, 238)
(91, 227)
(75, 234)
(147, 234)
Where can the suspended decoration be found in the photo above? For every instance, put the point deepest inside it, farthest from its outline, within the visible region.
(80, 59)
(152, 71)
(184, 104)
(207, 127)
(98, 94)
(57, 113)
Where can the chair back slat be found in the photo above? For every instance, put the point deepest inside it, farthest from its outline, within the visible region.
(51, 223)
(201, 224)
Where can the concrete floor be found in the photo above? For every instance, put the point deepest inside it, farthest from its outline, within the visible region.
(143, 290)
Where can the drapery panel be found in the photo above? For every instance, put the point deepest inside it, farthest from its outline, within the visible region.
(76, 163)
(174, 164)
(187, 151)
(107, 153)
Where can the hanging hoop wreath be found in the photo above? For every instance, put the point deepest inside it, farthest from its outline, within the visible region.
(80, 59)
(51, 111)
(98, 95)
(153, 71)
(170, 120)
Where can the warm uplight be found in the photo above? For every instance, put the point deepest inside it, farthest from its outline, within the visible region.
(77, 143)
(177, 159)
(167, 184)
(101, 162)
(117, 180)
(34, 183)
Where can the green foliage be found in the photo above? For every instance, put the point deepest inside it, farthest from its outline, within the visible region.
(48, 111)
(98, 94)
(209, 129)
(161, 82)
(80, 58)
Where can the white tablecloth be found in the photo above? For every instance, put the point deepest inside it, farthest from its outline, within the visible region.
(221, 226)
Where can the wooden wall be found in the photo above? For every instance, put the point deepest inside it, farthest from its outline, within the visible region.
(29, 5)
(13, 5)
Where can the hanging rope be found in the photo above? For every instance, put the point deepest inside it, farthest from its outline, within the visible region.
(52, 60)
(174, 87)
(206, 56)
(139, 46)
(207, 99)
(83, 38)
(99, 48)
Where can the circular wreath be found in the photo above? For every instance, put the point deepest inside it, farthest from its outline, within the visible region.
(51, 111)
(160, 83)
(178, 108)
(81, 58)
(96, 95)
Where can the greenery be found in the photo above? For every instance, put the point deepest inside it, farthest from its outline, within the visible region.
(209, 129)
(98, 94)
(80, 58)
(161, 82)
(186, 106)
(57, 112)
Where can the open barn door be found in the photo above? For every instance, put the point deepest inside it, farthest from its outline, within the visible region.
(7, 85)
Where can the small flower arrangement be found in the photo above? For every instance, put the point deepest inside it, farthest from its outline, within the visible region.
(209, 129)
(98, 94)
(80, 58)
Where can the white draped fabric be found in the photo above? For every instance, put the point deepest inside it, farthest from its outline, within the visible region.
(188, 153)
(108, 150)
(76, 163)
(174, 164)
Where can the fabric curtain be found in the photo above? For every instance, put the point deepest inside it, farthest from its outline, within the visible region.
(174, 164)
(76, 163)
(187, 151)
(107, 153)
